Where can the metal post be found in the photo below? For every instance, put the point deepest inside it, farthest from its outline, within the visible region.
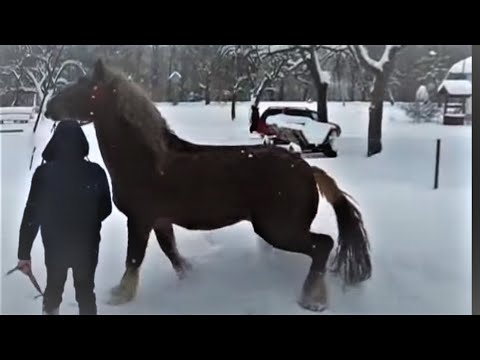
(437, 164)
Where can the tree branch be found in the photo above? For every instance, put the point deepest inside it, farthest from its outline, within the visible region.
(35, 81)
(373, 65)
(71, 63)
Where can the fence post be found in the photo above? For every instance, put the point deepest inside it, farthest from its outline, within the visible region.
(437, 164)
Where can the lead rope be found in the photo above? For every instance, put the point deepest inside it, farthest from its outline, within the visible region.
(32, 279)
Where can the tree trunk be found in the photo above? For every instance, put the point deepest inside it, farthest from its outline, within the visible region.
(352, 86)
(234, 100)
(170, 70)
(181, 91)
(174, 90)
(207, 94)
(390, 97)
(437, 96)
(321, 88)
(365, 92)
(155, 74)
(260, 91)
(376, 116)
(305, 93)
(281, 93)
(322, 102)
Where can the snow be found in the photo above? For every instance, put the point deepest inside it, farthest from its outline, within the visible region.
(314, 131)
(463, 66)
(421, 238)
(175, 76)
(16, 110)
(324, 75)
(363, 53)
(378, 65)
(293, 64)
(457, 87)
(15, 113)
(276, 48)
(387, 54)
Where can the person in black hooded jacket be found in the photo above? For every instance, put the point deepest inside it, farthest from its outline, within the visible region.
(68, 201)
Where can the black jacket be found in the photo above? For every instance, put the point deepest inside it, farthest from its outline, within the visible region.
(69, 198)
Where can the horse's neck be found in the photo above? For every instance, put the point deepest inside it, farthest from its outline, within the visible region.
(174, 143)
(124, 156)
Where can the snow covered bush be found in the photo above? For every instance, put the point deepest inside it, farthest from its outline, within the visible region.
(422, 112)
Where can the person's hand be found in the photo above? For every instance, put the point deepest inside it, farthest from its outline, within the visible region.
(24, 266)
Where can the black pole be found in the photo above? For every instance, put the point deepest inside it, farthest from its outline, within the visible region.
(437, 164)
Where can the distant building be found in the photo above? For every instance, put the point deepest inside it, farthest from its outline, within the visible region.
(456, 93)
(175, 77)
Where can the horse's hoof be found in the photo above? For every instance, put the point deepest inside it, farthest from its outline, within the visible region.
(126, 290)
(119, 296)
(183, 270)
(116, 291)
(311, 306)
(314, 292)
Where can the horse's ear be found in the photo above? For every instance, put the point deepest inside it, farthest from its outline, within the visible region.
(99, 71)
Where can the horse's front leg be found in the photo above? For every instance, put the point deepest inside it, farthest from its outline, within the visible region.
(138, 234)
(166, 239)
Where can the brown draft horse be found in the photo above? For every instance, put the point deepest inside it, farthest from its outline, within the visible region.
(159, 180)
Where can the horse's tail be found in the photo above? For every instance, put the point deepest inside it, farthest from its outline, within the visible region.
(352, 259)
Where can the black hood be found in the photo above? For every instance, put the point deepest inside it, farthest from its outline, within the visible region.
(67, 143)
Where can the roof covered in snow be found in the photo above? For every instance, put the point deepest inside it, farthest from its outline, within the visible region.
(175, 76)
(456, 87)
(462, 67)
(455, 83)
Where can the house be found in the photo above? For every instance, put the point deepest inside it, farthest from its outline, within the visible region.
(456, 93)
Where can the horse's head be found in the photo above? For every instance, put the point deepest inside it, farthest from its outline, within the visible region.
(80, 100)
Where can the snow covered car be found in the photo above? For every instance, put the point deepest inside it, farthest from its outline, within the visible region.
(298, 129)
(15, 118)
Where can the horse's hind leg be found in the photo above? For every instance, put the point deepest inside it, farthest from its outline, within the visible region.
(314, 292)
(318, 247)
(166, 240)
(138, 233)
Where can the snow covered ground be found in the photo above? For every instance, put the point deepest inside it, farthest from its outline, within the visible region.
(421, 238)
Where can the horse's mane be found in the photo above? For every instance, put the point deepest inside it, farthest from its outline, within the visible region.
(138, 110)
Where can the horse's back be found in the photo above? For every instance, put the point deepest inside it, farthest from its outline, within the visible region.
(223, 186)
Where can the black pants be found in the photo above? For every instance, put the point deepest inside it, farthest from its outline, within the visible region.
(83, 281)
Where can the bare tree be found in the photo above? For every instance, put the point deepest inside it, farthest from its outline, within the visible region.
(268, 68)
(241, 57)
(381, 69)
(208, 60)
(37, 69)
(309, 60)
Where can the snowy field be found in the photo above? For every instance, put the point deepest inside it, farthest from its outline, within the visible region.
(421, 238)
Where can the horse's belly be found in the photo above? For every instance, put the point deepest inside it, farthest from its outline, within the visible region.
(208, 223)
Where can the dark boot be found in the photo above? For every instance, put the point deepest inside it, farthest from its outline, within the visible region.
(52, 312)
